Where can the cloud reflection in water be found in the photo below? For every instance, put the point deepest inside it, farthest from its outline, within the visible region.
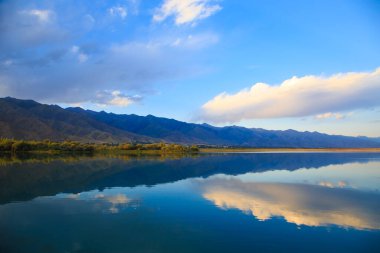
(98, 201)
(300, 204)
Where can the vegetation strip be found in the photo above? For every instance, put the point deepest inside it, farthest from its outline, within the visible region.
(17, 146)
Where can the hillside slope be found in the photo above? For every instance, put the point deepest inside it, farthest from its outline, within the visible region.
(27, 119)
(176, 131)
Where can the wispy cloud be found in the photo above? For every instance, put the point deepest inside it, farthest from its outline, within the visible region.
(297, 97)
(118, 11)
(80, 73)
(330, 115)
(82, 57)
(52, 54)
(23, 28)
(196, 41)
(42, 16)
(186, 11)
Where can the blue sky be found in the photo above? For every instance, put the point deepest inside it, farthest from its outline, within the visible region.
(304, 65)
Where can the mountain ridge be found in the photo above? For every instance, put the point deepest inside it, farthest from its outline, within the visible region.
(28, 119)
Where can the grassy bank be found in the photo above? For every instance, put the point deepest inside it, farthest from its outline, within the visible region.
(52, 147)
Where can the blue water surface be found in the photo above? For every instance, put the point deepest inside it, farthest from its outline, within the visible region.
(259, 202)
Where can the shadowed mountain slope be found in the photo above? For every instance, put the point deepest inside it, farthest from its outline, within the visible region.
(27, 119)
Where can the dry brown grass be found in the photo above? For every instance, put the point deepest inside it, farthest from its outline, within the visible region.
(285, 150)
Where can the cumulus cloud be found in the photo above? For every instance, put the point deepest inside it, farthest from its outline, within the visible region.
(116, 98)
(186, 11)
(297, 97)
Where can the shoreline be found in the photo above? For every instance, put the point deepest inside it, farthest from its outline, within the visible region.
(289, 150)
(200, 151)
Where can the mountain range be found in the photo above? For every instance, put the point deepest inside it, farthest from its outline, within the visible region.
(30, 120)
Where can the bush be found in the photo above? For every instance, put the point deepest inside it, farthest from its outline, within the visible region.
(21, 146)
(9, 145)
(6, 145)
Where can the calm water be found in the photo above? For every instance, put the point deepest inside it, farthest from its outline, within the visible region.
(300, 202)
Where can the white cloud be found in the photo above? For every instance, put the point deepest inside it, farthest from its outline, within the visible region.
(118, 11)
(330, 115)
(44, 58)
(120, 99)
(197, 41)
(115, 98)
(297, 97)
(77, 51)
(42, 16)
(186, 11)
(114, 67)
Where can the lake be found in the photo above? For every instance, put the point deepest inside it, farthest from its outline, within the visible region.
(257, 202)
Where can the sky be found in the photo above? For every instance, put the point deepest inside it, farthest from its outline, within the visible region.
(274, 64)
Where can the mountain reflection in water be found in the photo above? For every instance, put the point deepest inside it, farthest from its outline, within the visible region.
(304, 202)
(30, 177)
